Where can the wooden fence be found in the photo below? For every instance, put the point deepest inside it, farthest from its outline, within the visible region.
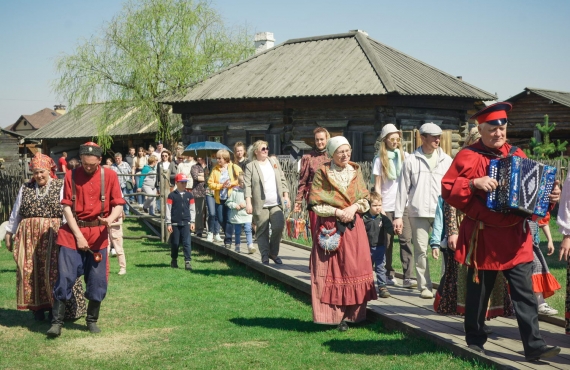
(10, 182)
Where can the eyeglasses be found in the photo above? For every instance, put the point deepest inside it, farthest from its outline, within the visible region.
(394, 140)
(264, 149)
(165, 155)
(344, 152)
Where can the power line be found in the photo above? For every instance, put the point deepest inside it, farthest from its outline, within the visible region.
(45, 100)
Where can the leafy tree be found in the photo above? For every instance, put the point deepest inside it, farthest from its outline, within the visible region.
(151, 48)
(546, 149)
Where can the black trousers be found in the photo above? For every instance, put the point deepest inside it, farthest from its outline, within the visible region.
(524, 301)
(181, 235)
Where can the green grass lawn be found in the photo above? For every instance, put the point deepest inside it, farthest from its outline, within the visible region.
(221, 315)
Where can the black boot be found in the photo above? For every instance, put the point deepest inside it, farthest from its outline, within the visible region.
(92, 316)
(58, 311)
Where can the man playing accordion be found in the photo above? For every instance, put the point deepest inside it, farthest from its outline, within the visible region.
(492, 241)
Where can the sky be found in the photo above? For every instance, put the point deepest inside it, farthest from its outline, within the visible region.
(499, 46)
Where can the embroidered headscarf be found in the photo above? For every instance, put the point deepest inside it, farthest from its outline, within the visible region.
(44, 162)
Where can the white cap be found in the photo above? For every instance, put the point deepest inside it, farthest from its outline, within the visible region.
(430, 128)
(387, 130)
(334, 143)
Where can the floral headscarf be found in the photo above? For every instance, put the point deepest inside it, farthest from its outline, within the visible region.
(43, 162)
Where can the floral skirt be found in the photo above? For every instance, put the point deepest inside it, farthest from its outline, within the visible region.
(36, 252)
(452, 292)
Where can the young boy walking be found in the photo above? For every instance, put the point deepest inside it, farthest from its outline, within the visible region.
(239, 217)
(377, 227)
(180, 215)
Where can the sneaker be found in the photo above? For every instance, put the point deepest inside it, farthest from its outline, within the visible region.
(188, 266)
(409, 283)
(545, 309)
(426, 294)
(122, 271)
(383, 292)
(228, 246)
(218, 238)
(113, 252)
(390, 280)
(251, 248)
(237, 248)
(210, 237)
(174, 264)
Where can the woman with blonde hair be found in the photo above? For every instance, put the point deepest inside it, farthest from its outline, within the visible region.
(266, 195)
(223, 178)
(386, 171)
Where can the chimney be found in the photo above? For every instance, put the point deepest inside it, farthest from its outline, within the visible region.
(360, 31)
(263, 41)
(59, 108)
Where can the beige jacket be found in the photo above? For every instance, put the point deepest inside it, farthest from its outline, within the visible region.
(254, 184)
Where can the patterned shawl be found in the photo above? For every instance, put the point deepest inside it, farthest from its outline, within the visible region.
(325, 190)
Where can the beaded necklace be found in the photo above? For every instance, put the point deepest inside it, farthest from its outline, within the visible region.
(42, 194)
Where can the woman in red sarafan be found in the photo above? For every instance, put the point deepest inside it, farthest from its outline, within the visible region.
(342, 281)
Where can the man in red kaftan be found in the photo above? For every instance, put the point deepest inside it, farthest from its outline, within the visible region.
(493, 241)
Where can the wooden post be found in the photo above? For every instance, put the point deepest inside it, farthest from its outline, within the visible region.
(164, 190)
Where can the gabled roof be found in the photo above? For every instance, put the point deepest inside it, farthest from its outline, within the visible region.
(561, 97)
(82, 123)
(348, 64)
(41, 118)
(36, 120)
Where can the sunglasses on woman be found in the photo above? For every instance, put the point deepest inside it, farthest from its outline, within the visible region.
(394, 139)
(264, 149)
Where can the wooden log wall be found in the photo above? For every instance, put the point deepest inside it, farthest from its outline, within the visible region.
(530, 110)
(9, 149)
(298, 123)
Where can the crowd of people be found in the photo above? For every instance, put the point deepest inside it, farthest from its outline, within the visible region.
(492, 264)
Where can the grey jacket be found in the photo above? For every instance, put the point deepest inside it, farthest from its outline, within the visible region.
(254, 184)
(420, 187)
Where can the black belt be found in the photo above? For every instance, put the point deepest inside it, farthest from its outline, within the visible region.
(88, 223)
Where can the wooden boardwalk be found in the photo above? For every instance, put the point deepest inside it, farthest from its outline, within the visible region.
(406, 311)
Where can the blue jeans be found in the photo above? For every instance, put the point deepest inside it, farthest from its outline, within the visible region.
(213, 223)
(223, 213)
(126, 192)
(378, 255)
(248, 235)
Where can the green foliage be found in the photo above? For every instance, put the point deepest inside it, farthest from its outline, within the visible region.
(151, 48)
(222, 315)
(546, 149)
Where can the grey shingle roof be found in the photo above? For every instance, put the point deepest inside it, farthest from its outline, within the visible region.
(333, 65)
(84, 125)
(561, 97)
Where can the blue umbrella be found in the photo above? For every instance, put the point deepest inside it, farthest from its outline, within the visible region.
(204, 149)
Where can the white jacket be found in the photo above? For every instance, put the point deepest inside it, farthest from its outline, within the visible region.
(419, 186)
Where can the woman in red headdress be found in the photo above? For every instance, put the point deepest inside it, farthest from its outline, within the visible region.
(31, 235)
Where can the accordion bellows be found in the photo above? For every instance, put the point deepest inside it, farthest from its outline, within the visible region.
(524, 186)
